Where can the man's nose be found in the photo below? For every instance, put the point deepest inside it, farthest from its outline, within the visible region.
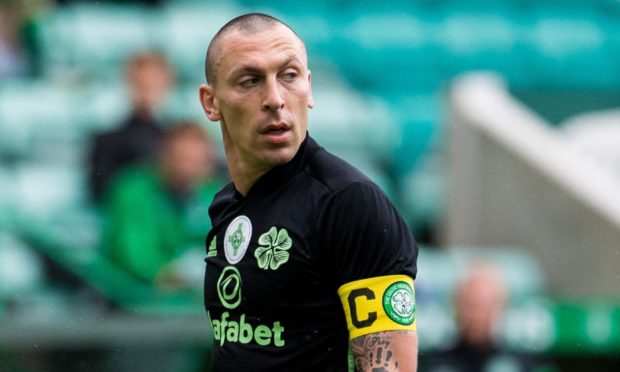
(274, 99)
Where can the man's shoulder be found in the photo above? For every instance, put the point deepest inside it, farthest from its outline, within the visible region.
(123, 131)
(224, 194)
(221, 201)
(108, 141)
(335, 173)
(104, 137)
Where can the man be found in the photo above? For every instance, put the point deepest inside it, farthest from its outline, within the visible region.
(156, 211)
(480, 301)
(299, 235)
(150, 79)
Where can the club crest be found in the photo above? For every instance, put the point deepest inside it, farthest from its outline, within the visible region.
(237, 239)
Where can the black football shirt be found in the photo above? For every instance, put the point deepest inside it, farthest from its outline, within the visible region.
(277, 257)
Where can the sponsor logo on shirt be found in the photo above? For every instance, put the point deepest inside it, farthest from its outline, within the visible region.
(272, 253)
(237, 239)
(229, 287)
(226, 329)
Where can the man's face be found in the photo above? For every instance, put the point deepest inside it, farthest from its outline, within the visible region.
(261, 96)
(480, 303)
(149, 85)
(186, 160)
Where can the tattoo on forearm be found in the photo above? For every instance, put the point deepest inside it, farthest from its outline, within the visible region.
(373, 353)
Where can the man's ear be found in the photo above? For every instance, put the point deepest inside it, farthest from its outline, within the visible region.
(208, 102)
(310, 99)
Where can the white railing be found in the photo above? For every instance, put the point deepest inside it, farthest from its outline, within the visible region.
(513, 180)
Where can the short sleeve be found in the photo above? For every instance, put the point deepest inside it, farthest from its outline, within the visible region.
(363, 236)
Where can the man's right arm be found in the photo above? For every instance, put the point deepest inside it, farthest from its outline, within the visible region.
(386, 351)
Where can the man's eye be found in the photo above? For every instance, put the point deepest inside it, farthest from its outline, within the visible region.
(250, 82)
(290, 76)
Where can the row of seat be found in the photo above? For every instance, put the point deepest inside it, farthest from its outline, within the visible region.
(532, 323)
(46, 127)
(403, 52)
(420, 46)
(39, 112)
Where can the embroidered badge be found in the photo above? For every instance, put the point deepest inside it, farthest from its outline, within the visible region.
(399, 303)
(272, 252)
(237, 239)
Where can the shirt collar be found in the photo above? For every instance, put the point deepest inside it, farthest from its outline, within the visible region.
(280, 175)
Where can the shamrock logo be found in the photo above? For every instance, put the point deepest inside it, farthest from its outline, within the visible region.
(399, 302)
(272, 252)
(402, 303)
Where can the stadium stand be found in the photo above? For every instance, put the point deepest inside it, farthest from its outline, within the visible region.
(380, 73)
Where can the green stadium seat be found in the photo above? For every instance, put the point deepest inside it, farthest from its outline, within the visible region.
(184, 32)
(45, 189)
(102, 105)
(94, 40)
(423, 194)
(97, 272)
(386, 52)
(36, 118)
(287, 7)
(21, 270)
(7, 196)
(439, 271)
(418, 114)
(184, 103)
(343, 119)
(570, 49)
(478, 41)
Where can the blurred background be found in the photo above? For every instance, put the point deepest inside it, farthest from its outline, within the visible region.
(494, 127)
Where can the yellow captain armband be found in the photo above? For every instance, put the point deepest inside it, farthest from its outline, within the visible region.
(384, 303)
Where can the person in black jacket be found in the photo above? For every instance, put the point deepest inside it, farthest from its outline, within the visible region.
(150, 78)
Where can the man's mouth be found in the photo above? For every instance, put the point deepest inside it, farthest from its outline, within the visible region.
(275, 129)
(276, 125)
(275, 132)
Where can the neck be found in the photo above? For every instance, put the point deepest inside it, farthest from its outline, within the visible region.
(142, 114)
(243, 174)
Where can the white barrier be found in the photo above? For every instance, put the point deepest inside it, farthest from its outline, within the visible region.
(513, 181)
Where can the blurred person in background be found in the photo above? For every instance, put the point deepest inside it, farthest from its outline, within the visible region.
(150, 79)
(480, 301)
(155, 212)
(13, 60)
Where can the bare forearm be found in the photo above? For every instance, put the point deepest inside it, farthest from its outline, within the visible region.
(386, 351)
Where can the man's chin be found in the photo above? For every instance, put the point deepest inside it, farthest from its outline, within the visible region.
(280, 156)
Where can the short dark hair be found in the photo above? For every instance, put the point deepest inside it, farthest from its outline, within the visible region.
(251, 23)
(183, 129)
(147, 58)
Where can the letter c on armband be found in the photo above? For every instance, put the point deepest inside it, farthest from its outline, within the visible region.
(371, 316)
(378, 304)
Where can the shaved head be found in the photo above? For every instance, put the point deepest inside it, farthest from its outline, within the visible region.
(250, 23)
